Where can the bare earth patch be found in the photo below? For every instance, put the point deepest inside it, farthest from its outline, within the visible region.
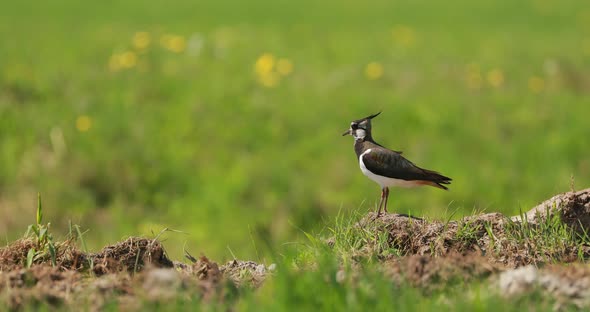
(508, 241)
(516, 252)
(515, 255)
(433, 273)
(137, 268)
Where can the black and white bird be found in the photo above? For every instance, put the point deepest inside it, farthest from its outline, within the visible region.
(386, 167)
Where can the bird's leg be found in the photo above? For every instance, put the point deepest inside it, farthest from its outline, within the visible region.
(386, 197)
(381, 202)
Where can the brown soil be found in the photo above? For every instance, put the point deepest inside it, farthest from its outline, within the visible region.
(130, 255)
(493, 236)
(14, 256)
(434, 254)
(437, 253)
(137, 268)
(432, 273)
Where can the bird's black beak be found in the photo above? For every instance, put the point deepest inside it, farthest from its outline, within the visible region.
(349, 131)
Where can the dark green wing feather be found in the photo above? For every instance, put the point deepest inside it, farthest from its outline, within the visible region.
(384, 162)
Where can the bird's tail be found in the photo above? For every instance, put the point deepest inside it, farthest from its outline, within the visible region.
(436, 179)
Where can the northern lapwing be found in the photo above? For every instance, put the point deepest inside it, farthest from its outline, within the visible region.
(387, 167)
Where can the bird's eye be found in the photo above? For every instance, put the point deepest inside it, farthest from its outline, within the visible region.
(354, 126)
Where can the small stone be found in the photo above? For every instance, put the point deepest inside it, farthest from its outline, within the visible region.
(340, 276)
(260, 269)
(518, 280)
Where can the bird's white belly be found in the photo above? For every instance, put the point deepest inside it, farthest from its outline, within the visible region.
(384, 181)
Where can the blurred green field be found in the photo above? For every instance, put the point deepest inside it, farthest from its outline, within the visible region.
(223, 119)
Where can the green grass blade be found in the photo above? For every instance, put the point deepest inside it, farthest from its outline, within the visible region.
(83, 242)
(52, 253)
(39, 209)
(42, 234)
(30, 256)
(29, 230)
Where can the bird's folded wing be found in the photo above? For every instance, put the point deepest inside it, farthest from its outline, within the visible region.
(392, 165)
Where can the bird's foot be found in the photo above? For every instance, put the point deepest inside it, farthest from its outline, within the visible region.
(377, 216)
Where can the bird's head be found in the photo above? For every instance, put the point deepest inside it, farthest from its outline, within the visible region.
(361, 128)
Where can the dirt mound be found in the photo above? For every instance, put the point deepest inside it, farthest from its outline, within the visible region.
(130, 255)
(38, 285)
(74, 273)
(14, 256)
(431, 273)
(246, 272)
(209, 276)
(45, 285)
(573, 208)
(68, 257)
(127, 273)
(519, 254)
(510, 241)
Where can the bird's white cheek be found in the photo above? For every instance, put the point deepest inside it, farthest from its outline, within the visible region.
(359, 133)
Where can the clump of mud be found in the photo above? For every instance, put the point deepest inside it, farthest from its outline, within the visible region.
(13, 257)
(246, 272)
(128, 273)
(38, 285)
(131, 255)
(433, 273)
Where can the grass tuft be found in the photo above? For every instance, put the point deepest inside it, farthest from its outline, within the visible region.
(44, 247)
(550, 238)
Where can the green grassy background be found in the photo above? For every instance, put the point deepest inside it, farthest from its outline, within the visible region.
(181, 130)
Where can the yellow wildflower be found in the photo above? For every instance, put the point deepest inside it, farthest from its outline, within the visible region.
(374, 71)
(141, 40)
(128, 59)
(403, 35)
(264, 64)
(83, 123)
(495, 77)
(173, 43)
